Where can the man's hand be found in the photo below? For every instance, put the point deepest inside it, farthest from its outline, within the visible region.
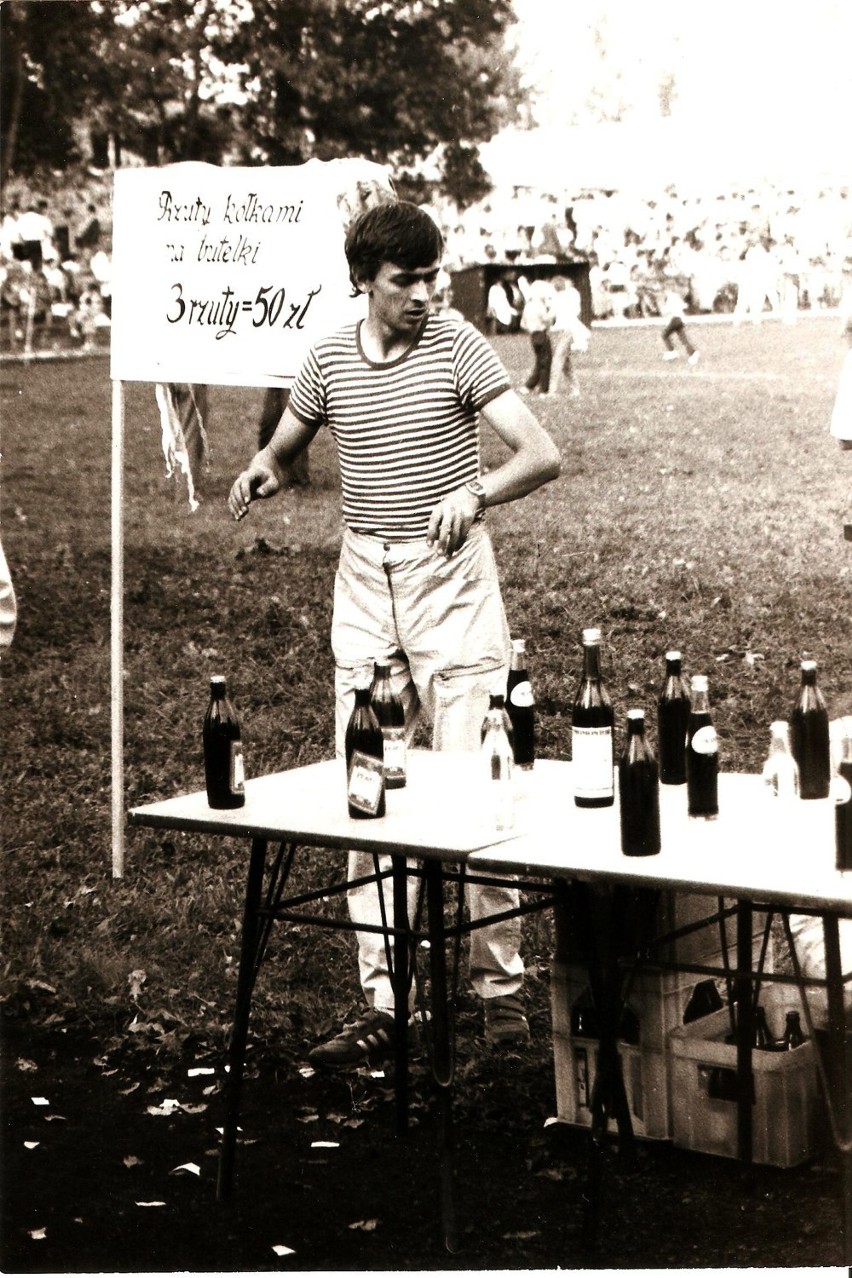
(259, 480)
(452, 519)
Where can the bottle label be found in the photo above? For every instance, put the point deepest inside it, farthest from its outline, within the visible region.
(366, 782)
(394, 753)
(522, 694)
(236, 771)
(841, 790)
(581, 1057)
(705, 741)
(591, 752)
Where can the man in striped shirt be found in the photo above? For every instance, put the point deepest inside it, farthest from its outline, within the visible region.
(403, 392)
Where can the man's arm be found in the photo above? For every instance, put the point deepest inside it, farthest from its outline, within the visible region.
(264, 474)
(535, 461)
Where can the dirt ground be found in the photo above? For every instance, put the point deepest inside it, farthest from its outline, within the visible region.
(110, 1159)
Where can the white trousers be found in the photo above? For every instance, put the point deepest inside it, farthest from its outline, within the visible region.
(441, 625)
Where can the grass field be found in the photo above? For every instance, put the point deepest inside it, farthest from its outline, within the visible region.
(698, 507)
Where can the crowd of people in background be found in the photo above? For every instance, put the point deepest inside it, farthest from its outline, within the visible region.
(56, 265)
(767, 248)
(741, 252)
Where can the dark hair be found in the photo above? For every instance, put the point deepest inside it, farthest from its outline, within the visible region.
(400, 233)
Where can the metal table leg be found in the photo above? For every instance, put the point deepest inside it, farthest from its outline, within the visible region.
(401, 980)
(242, 1009)
(442, 1058)
(744, 995)
(839, 1073)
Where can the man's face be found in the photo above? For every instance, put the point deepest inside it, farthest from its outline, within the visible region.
(399, 297)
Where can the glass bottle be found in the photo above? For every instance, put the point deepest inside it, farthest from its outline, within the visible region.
(497, 702)
(638, 791)
(390, 712)
(793, 1035)
(780, 771)
(809, 736)
(592, 731)
(224, 772)
(673, 709)
(497, 760)
(366, 786)
(843, 796)
(520, 706)
(702, 755)
(763, 1039)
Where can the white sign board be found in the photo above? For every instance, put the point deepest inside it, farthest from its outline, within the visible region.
(227, 275)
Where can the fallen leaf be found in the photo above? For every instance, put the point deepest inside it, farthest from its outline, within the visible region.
(130, 1160)
(366, 1225)
(522, 1235)
(198, 1070)
(151, 1204)
(38, 1233)
(31, 1144)
(281, 1250)
(325, 1144)
(40, 1100)
(194, 1109)
(136, 980)
(125, 1091)
(187, 1167)
(165, 1110)
(25, 1066)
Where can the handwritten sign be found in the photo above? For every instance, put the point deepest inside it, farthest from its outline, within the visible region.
(227, 275)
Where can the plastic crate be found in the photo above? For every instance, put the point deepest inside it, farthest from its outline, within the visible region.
(786, 1111)
(659, 1000)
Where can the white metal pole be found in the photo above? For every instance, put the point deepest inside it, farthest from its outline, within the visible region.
(117, 630)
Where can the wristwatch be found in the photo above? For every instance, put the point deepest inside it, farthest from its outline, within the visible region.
(474, 486)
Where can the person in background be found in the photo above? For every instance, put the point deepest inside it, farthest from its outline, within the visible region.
(505, 304)
(417, 582)
(537, 320)
(571, 334)
(841, 416)
(673, 309)
(442, 299)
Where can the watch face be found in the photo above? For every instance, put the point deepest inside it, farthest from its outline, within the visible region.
(476, 488)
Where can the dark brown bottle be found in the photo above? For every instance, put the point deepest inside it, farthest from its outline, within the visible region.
(702, 755)
(638, 791)
(223, 750)
(364, 736)
(809, 737)
(843, 809)
(793, 1035)
(673, 709)
(592, 732)
(520, 706)
(389, 710)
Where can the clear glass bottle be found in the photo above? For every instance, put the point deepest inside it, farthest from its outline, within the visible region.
(843, 796)
(520, 706)
(638, 791)
(702, 754)
(497, 762)
(592, 731)
(224, 772)
(809, 736)
(673, 709)
(390, 712)
(780, 771)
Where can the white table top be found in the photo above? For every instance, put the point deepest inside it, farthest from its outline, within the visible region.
(758, 848)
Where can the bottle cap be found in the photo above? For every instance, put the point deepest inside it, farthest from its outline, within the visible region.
(699, 683)
(217, 681)
(673, 654)
(779, 728)
(497, 700)
(808, 664)
(592, 635)
(519, 645)
(635, 718)
(382, 668)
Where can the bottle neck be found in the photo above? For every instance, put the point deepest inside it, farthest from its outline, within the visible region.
(591, 661)
(362, 696)
(673, 668)
(700, 702)
(218, 690)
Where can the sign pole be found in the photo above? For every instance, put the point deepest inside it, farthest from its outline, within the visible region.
(117, 630)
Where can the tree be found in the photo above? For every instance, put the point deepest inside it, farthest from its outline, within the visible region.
(261, 81)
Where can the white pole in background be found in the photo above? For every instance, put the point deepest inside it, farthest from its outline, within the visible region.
(117, 630)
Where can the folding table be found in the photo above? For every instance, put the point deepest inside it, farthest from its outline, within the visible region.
(761, 853)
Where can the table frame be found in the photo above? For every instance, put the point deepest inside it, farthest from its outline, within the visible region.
(561, 889)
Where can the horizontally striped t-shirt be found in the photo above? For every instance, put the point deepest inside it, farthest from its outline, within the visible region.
(406, 432)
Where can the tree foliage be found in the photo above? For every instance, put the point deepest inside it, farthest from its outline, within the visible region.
(260, 81)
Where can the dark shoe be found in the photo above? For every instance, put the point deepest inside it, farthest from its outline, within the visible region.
(505, 1021)
(369, 1040)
